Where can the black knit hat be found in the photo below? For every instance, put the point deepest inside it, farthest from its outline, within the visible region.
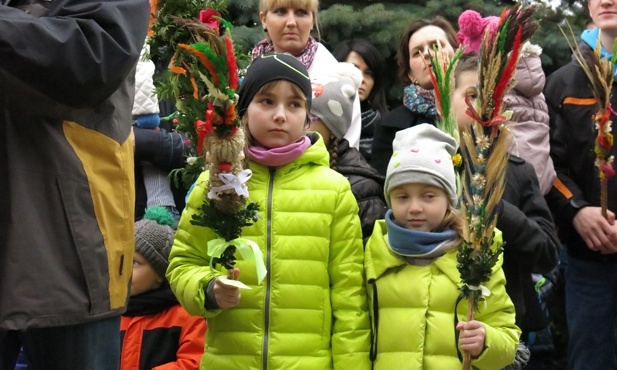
(270, 67)
(154, 238)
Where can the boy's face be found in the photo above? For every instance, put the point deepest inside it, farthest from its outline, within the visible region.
(466, 84)
(144, 276)
(419, 207)
(604, 15)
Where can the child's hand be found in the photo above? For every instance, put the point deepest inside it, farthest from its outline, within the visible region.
(472, 337)
(227, 296)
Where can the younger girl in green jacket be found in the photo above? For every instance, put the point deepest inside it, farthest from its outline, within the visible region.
(310, 311)
(410, 264)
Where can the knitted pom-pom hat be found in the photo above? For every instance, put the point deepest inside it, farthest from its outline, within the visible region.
(154, 238)
(472, 27)
(333, 97)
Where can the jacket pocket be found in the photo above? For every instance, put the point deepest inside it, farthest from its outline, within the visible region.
(88, 241)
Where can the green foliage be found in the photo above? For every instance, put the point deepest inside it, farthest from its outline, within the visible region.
(475, 267)
(226, 225)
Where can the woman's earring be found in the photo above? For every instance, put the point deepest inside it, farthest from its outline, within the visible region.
(266, 29)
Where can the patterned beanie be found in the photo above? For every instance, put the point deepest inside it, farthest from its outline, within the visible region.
(333, 97)
(422, 154)
(471, 29)
(271, 67)
(154, 238)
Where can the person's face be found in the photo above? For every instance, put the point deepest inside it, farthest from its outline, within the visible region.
(420, 47)
(289, 28)
(604, 15)
(466, 87)
(368, 80)
(277, 115)
(419, 207)
(144, 277)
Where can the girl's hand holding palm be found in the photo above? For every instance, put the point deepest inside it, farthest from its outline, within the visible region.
(227, 296)
(472, 337)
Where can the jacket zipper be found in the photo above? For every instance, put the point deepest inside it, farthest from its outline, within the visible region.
(269, 267)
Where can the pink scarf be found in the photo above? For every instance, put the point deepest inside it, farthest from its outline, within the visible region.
(308, 54)
(276, 157)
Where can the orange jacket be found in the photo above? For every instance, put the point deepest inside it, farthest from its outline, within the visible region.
(168, 340)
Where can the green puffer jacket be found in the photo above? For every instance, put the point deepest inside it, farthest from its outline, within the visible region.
(415, 318)
(310, 311)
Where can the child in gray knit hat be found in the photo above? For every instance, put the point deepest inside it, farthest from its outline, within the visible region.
(152, 306)
(153, 240)
(411, 263)
(331, 111)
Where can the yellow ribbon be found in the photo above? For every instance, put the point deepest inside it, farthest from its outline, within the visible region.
(249, 250)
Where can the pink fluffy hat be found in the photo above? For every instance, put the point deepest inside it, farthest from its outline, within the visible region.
(472, 27)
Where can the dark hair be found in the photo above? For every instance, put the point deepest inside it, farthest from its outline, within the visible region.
(402, 55)
(467, 62)
(373, 59)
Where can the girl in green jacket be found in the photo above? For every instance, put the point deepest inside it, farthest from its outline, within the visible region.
(410, 265)
(310, 311)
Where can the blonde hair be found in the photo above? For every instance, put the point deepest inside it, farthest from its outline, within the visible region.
(453, 221)
(310, 5)
(266, 88)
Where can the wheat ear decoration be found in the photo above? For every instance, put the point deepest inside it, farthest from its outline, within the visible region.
(600, 72)
(211, 66)
(483, 147)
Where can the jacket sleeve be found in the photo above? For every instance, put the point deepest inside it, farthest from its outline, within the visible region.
(189, 270)
(190, 347)
(382, 146)
(528, 226)
(565, 193)
(77, 53)
(165, 150)
(498, 316)
(351, 329)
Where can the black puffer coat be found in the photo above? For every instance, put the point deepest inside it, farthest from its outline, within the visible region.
(531, 242)
(366, 186)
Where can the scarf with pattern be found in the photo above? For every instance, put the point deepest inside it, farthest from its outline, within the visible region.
(265, 46)
(420, 100)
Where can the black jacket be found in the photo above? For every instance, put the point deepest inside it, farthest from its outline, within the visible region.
(366, 186)
(165, 150)
(571, 107)
(531, 243)
(385, 130)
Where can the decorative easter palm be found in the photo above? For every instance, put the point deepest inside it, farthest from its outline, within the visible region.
(599, 71)
(483, 147)
(204, 82)
(442, 78)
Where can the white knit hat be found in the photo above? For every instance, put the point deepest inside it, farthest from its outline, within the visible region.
(334, 95)
(422, 154)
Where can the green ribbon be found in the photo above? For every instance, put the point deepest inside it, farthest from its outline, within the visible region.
(249, 250)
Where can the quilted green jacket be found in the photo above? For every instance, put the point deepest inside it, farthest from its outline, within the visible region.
(310, 311)
(412, 308)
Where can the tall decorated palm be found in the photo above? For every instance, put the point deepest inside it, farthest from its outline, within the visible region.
(483, 147)
(203, 80)
(600, 72)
